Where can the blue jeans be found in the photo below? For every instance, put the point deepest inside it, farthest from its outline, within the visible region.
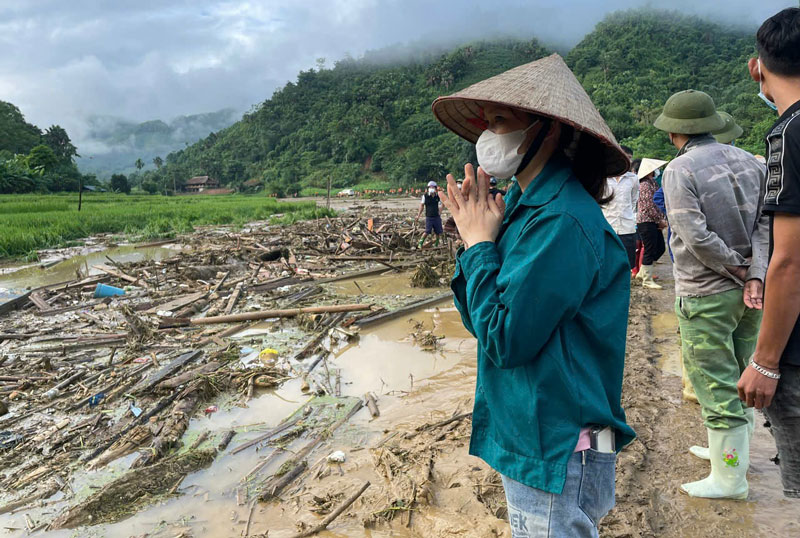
(588, 495)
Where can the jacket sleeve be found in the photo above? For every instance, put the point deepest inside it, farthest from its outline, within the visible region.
(658, 200)
(760, 240)
(459, 287)
(635, 198)
(689, 223)
(549, 272)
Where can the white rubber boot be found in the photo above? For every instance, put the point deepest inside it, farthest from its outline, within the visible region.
(647, 278)
(730, 458)
(702, 451)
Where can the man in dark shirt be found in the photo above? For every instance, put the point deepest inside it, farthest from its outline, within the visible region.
(431, 204)
(772, 382)
(493, 190)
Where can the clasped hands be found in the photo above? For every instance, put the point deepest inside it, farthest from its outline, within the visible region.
(478, 215)
(753, 293)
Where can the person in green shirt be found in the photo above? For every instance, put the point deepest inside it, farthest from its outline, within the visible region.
(543, 283)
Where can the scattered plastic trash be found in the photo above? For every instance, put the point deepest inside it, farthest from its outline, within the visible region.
(96, 399)
(9, 440)
(52, 393)
(104, 290)
(165, 314)
(268, 356)
(210, 410)
(141, 360)
(136, 410)
(337, 457)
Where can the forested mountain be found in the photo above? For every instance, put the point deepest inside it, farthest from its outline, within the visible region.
(113, 145)
(358, 122)
(362, 122)
(633, 61)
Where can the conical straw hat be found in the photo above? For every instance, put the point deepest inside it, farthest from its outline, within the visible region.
(648, 165)
(545, 87)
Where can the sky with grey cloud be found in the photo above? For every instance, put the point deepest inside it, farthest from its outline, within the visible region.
(63, 62)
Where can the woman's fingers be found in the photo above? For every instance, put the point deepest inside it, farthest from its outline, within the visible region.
(483, 186)
(454, 197)
(497, 205)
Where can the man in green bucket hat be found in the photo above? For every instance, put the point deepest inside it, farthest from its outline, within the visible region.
(730, 132)
(714, 194)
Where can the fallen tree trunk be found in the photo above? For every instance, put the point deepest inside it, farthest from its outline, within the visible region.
(264, 314)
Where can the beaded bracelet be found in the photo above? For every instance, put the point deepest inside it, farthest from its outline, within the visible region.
(763, 371)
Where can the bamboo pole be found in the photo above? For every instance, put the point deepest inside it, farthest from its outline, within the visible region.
(287, 313)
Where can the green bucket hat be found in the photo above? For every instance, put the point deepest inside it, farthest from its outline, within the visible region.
(730, 132)
(690, 112)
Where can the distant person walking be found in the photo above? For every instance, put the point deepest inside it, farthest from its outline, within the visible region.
(431, 205)
(650, 221)
(713, 194)
(543, 283)
(620, 210)
(772, 382)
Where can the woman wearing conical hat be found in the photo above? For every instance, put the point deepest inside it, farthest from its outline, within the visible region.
(543, 283)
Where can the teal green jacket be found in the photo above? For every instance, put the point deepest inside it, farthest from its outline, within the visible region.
(548, 302)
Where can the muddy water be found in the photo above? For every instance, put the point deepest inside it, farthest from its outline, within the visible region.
(385, 360)
(385, 284)
(13, 283)
(665, 330)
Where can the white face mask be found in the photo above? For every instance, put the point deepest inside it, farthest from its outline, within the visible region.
(497, 153)
(761, 94)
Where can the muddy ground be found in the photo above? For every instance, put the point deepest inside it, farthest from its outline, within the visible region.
(421, 369)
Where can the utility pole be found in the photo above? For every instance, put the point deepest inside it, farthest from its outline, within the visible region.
(80, 192)
(328, 204)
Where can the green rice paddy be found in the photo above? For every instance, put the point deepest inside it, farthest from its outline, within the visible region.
(32, 222)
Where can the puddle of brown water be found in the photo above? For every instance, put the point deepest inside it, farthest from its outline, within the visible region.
(12, 283)
(665, 328)
(385, 284)
(381, 362)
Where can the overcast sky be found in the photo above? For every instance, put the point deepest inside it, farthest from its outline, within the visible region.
(63, 61)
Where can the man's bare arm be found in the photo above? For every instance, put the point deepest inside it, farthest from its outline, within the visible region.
(782, 300)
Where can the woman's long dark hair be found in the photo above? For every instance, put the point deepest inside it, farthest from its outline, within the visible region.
(587, 159)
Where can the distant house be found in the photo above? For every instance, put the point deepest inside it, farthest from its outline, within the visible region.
(92, 188)
(252, 185)
(201, 183)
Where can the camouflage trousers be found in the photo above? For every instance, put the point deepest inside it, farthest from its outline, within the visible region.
(718, 337)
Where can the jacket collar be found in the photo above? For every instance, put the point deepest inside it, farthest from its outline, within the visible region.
(544, 187)
(696, 142)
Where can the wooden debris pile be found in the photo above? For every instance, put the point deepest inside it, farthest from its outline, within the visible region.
(86, 379)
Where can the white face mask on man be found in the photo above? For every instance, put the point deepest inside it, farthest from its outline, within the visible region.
(497, 153)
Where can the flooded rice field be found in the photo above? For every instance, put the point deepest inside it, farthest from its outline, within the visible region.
(64, 264)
